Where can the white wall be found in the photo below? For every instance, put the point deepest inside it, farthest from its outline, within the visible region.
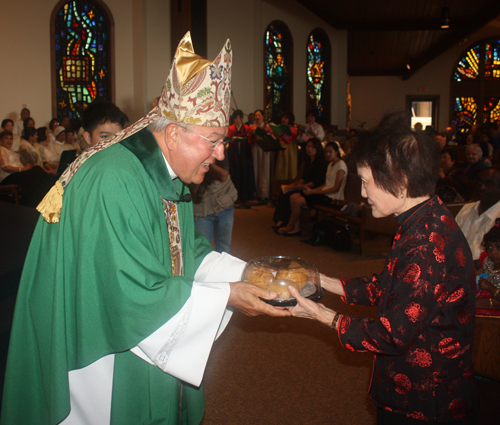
(142, 53)
(374, 96)
(244, 22)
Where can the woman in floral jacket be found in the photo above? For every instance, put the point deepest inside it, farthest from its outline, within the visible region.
(422, 339)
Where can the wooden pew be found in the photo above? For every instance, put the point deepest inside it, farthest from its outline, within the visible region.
(375, 234)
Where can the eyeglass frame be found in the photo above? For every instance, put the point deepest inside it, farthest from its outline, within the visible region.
(214, 143)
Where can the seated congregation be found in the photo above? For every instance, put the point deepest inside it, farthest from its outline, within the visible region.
(32, 159)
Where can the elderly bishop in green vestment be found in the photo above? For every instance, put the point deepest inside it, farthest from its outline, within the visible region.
(120, 299)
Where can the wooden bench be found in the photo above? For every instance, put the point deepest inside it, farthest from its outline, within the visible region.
(486, 351)
(375, 234)
(10, 193)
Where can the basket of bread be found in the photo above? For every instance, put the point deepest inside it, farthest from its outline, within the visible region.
(279, 273)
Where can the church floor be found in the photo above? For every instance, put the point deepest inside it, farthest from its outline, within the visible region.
(266, 371)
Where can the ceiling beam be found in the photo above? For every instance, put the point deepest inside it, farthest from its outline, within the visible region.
(476, 23)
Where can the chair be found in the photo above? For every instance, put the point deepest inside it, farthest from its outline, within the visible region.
(10, 193)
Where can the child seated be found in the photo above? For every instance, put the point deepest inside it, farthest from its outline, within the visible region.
(488, 275)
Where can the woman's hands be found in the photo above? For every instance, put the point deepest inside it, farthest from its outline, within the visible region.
(331, 284)
(309, 309)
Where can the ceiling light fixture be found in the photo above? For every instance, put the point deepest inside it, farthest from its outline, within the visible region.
(445, 17)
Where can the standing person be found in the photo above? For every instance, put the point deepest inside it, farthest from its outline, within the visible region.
(251, 119)
(121, 299)
(287, 159)
(240, 158)
(101, 120)
(261, 159)
(213, 205)
(312, 129)
(422, 338)
(19, 127)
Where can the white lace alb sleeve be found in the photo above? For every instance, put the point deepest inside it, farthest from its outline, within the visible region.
(181, 346)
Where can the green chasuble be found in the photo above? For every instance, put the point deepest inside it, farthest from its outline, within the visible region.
(99, 282)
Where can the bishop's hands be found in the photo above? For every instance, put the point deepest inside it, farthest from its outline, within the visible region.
(246, 297)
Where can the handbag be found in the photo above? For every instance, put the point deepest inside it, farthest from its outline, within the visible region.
(332, 234)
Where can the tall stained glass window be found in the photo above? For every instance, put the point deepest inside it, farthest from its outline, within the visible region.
(475, 86)
(277, 71)
(81, 43)
(492, 110)
(492, 62)
(318, 75)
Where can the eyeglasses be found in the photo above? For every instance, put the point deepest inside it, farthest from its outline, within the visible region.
(214, 143)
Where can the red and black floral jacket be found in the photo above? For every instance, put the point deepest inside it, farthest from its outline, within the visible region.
(422, 340)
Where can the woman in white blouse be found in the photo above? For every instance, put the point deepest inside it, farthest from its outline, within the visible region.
(332, 189)
(10, 161)
(33, 180)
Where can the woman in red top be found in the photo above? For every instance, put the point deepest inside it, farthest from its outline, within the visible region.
(422, 338)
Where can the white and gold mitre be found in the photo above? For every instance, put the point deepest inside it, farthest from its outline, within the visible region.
(198, 91)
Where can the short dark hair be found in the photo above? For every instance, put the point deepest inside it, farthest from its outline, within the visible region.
(290, 116)
(6, 133)
(398, 157)
(42, 134)
(313, 113)
(237, 113)
(28, 132)
(451, 152)
(52, 122)
(494, 233)
(5, 121)
(25, 122)
(100, 112)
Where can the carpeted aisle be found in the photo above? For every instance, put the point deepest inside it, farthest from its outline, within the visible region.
(266, 371)
(288, 371)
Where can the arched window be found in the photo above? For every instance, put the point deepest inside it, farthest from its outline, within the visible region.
(278, 72)
(81, 32)
(318, 75)
(475, 86)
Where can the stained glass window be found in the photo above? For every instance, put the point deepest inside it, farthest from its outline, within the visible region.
(277, 78)
(82, 56)
(492, 110)
(492, 61)
(464, 113)
(468, 66)
(318, 57)
(475, 86)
